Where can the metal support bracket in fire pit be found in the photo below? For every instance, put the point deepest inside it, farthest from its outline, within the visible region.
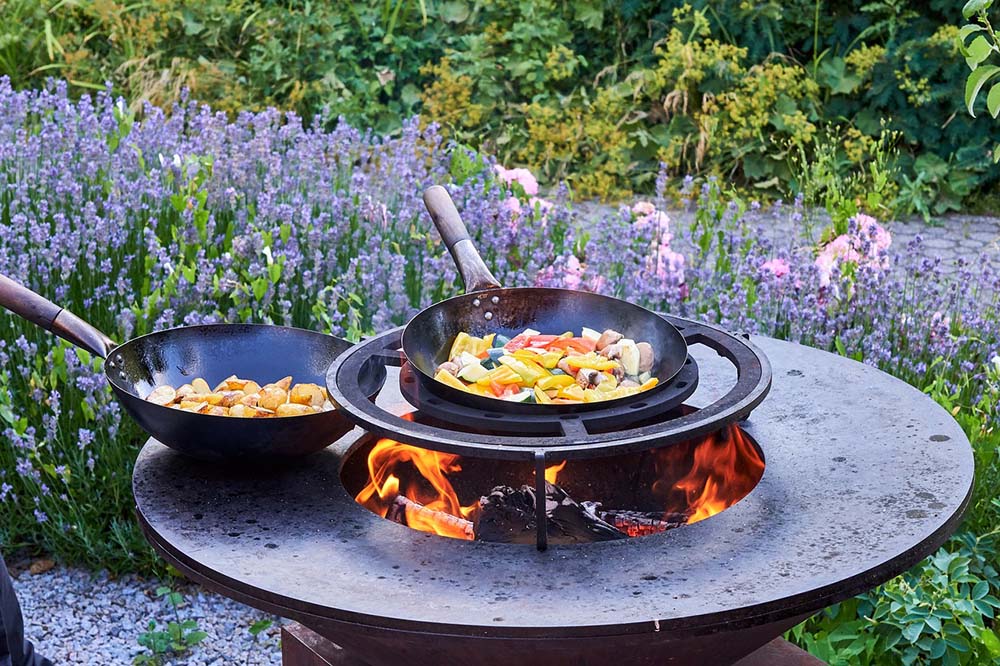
(541, 517)
(444, 426)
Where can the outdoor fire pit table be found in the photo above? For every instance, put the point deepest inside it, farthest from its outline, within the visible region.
(864, 477)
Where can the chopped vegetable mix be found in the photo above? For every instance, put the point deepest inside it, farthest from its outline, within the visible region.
(549, 369)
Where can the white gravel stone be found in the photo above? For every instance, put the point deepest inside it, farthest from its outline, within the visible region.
(76, 617)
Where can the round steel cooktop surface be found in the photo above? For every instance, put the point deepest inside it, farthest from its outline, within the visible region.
(864, 477)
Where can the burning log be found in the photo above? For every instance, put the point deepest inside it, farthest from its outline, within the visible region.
(507, 515)
(405, 511)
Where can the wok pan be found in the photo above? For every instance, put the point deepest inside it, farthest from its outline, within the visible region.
(214, 352)
(486, 307)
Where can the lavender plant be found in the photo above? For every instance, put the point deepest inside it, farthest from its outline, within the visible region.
(139, 224)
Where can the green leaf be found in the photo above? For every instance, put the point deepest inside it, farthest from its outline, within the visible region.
(964, 33)
(455, 11)
(975, 83)
(195, 637)
(993, 100)
(977, 51)
(259, 288)
(996, 154)
(989, 639)
(259, 626)
(975, 6)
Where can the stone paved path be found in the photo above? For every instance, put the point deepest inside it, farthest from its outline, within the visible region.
(950, 237)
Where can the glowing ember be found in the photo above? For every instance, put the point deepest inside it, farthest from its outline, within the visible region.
(690, 482)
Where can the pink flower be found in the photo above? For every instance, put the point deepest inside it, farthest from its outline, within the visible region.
(521, 176)
(866, 247)
(513, 205)
(643, 208)
(779, 268)
(878, 234)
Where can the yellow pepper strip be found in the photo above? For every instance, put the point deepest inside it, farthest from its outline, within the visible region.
(523, 354)
(541, 397)
(574, 392)
(462, 342)
(593, 395)
(607, 387)
(479, 390)
(649, 383)
(483, 344)
(555, 381)
(529, 371)
(550, 359)
(467, 343)
(451, 380)
(592, 361)
(501, 375)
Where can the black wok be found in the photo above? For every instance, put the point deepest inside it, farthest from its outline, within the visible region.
(214, 352)
(486, 307)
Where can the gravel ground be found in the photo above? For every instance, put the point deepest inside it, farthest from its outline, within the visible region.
(75, 617)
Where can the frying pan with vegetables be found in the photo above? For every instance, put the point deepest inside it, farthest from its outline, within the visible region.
(487, 308)
(175, 357)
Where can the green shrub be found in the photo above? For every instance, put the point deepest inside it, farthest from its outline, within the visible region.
(592, 92)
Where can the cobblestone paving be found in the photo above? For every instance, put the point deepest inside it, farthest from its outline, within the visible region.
(950, 237)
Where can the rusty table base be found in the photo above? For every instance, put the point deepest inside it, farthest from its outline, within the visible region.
(301, 646)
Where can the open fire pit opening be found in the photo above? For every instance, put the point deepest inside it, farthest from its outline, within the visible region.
(598, 499)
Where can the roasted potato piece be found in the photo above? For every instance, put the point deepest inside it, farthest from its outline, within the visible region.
(196, 397)
(306, 394)
(272, 396)
(197, 407)
(230, 398)
(200, 385)
(294, 409)
(216, 410)
(162, 395)
(250, 399)
(184, 390)
(284, 383)
(251, 387)
(214, 398)
(242, 411)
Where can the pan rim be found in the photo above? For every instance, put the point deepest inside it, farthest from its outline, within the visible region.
(553, 408)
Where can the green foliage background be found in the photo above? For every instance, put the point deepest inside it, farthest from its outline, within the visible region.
(590, 91)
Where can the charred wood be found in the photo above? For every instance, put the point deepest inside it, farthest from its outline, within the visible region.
(507, 515)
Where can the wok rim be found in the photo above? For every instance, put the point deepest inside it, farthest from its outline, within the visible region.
(117, 386)
(487, 403)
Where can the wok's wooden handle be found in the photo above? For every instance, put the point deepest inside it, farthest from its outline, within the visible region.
(475, 274)
(44, 313)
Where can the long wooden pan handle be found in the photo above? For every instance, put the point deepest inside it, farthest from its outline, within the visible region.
(475, 274)
(40, 311)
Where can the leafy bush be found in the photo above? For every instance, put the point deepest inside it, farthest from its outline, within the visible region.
(593, 93)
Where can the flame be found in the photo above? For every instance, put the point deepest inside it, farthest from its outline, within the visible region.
(726, 467)
(429, 486)
(696, 481)
(553, 471)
